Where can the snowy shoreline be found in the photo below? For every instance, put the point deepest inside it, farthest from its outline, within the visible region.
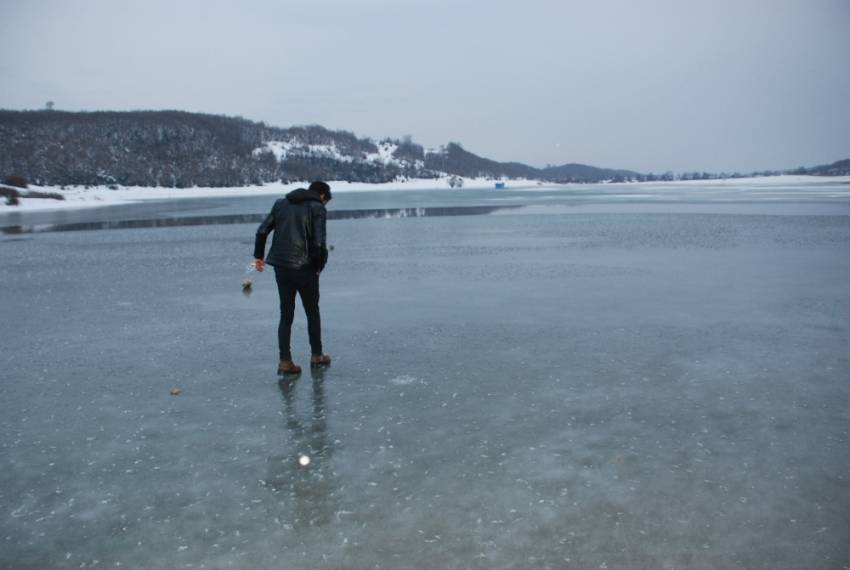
(98, 196)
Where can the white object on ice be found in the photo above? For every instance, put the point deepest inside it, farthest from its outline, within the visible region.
(304, 460)
(404, 380)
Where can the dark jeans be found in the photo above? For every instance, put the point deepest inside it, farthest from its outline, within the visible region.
(305, 282)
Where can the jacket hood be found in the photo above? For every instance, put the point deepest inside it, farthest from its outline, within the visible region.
(303, 195)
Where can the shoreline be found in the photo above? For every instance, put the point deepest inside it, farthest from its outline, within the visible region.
(77, 197)
(100, 196)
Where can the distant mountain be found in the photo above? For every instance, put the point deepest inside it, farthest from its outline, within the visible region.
(453, 159)
(179, 149)
(584, 173)
(838, 168)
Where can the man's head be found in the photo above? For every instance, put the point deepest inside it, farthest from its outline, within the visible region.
(322, 189)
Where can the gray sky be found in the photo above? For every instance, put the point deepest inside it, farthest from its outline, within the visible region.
(647, 85)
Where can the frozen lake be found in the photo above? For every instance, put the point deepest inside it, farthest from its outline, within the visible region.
(591, 384)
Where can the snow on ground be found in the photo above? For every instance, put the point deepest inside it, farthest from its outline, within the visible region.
(79, 197)
(384, 154)
(282, 149)
(294, 147)
(781, 180)
(278, 148)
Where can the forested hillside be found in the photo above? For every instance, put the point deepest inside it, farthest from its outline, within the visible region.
(179, 149)
(162, 148)
(838, 168)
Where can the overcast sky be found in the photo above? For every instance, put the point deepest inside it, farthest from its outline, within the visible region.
(717, 85)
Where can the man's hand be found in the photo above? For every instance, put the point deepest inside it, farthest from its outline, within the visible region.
(259, 265)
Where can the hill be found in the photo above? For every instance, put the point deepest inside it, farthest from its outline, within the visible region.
(584, 173)
(180, 149)
(838, 168)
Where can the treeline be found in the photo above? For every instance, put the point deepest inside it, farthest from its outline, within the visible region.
(179, 149)
(162, 148)
(838, 168)
(453, 159)
(309, 167)
(174, 149)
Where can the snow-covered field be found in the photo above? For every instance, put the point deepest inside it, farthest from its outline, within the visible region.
(79, 197)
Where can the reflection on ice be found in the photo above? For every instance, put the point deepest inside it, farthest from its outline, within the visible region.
(387, 213)
(304, 473)
(770, 195)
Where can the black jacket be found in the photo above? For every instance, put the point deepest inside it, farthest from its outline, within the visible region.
(299, 223)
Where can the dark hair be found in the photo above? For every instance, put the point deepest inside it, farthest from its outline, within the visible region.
(322, 188)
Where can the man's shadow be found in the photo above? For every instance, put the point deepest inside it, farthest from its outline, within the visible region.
(303, 474)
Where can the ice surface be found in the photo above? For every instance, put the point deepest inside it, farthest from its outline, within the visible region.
(583, 390)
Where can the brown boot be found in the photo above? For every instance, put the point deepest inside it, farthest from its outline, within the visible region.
(320, 360)
(288, 367)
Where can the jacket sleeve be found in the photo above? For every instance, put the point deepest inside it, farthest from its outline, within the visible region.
(263, 232)
(318, 241)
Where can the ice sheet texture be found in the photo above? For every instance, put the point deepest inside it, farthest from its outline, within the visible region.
(513, 391)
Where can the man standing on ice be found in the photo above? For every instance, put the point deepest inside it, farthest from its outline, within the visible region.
(298, 253)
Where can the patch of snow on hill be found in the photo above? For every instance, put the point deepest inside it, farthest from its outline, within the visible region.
(285, 149)
(280, 149)
(385, 153)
